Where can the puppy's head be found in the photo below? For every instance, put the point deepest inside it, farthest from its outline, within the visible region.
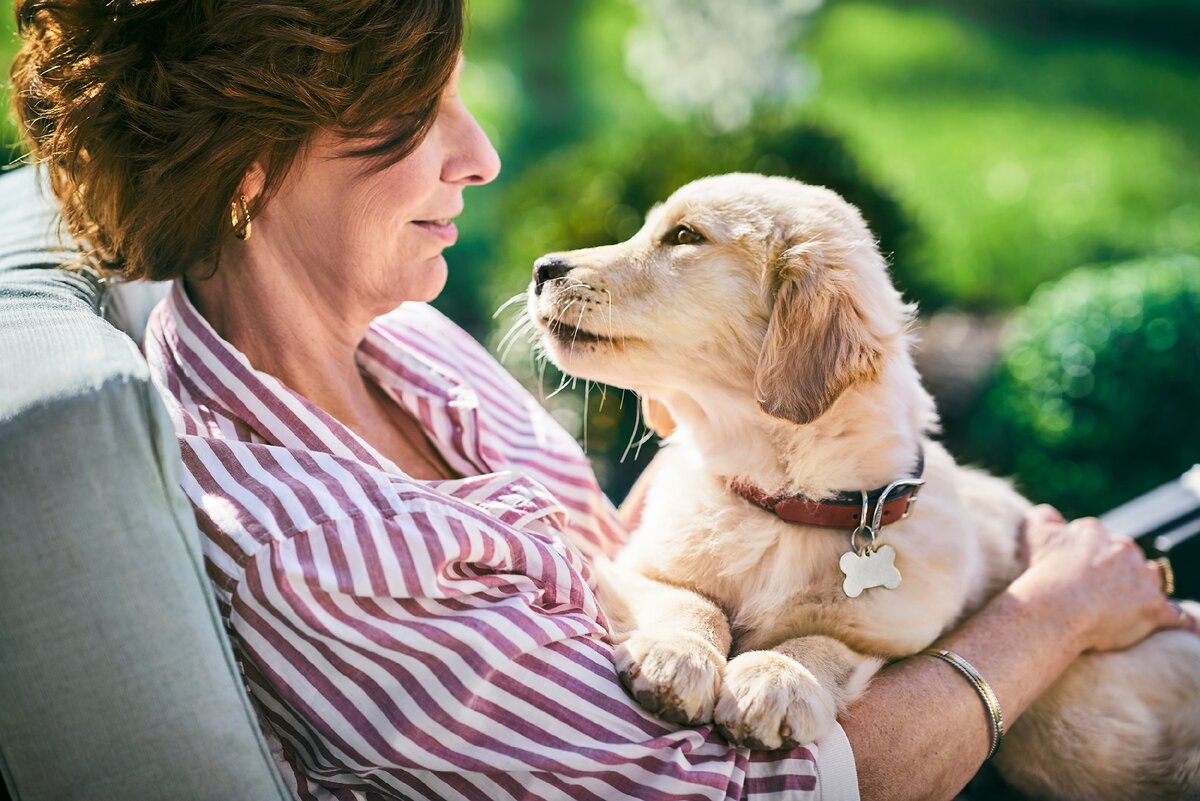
(739, 283)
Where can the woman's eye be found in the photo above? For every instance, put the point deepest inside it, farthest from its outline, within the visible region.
(682, 235)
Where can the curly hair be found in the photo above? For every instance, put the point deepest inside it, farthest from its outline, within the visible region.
(148, 113)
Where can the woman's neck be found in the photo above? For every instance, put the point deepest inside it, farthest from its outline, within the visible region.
(290, 331)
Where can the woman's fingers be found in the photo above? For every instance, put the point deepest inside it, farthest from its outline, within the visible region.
(1041, 516)
(1103, 580)
(1035, 529)
(1174, 616)
(1089, 525)
(1154, 577)
(1045, 513)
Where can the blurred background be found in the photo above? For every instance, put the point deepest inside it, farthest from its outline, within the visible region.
(1031, 167)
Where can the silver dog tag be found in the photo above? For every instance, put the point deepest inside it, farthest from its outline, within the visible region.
(869, 568)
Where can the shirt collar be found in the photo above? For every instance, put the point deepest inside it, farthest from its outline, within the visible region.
(223, 378)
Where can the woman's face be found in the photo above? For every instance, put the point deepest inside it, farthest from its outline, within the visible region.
(371, 239)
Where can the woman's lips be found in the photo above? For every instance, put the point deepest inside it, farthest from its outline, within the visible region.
(444, 229)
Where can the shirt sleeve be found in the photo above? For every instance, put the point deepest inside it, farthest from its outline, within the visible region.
(443, 655)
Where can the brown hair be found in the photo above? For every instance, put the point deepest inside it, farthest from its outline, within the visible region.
(149, 113)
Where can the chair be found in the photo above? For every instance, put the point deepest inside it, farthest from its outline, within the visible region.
(116, 675)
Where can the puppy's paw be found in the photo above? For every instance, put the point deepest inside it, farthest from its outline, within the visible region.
(676, 676)
(770, 701)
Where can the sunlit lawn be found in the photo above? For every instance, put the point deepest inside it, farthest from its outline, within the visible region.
(1018, 157)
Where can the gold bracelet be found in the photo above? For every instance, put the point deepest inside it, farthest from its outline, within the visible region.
(990, 701)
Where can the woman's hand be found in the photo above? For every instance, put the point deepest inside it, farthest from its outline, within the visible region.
(1101, 580)
(1083, 589)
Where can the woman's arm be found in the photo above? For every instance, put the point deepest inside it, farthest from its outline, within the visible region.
(921, 731)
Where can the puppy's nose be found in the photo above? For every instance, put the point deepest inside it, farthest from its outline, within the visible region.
(547, 268)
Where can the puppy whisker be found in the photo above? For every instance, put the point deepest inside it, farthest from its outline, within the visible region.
(520, 331)
(543, 360)
(562, 384)
(587, 396)
(517, 298)
(637, 448)
(522, 326)
(637, 424)
(612, 346)
(558, 318)
(578, 323)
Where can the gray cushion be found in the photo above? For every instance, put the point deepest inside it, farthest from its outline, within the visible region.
(29, 228)
(116, 678)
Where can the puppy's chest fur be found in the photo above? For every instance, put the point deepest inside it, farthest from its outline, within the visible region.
(778, 580)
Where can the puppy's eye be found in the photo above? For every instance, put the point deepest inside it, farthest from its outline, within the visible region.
(682, 235)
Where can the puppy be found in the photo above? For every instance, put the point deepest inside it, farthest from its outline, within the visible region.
(760, 312)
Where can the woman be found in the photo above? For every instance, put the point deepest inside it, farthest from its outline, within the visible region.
(399, 537)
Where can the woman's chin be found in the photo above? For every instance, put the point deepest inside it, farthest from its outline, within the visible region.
(422, 283)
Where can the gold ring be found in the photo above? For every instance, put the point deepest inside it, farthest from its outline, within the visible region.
(1166, 576)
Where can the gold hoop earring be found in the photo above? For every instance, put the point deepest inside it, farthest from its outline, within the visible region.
(240, 217)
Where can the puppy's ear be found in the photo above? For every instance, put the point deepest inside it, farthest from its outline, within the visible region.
(817, 346)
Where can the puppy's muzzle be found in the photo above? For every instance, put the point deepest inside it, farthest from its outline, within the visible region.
(548, 268)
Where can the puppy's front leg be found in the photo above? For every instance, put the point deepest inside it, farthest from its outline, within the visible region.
(792, 694)
(673, 660)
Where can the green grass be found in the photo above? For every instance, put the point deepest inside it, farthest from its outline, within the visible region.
(1018, 157)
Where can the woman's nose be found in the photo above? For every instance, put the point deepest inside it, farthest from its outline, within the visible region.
(475, 161)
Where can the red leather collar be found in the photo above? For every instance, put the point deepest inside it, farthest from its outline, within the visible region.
(844, 510)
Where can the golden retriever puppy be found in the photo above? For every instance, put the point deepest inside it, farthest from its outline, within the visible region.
(760, 312)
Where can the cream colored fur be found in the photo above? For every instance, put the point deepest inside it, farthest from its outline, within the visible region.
(781, 349)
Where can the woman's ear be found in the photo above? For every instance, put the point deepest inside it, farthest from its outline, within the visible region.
(253, 182)
(817, 345)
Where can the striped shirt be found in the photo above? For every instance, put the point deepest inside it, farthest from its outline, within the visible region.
(429, 639)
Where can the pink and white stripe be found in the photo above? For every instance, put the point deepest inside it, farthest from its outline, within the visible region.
(428, 639)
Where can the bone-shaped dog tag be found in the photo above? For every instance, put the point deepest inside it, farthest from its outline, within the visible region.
(869, 569)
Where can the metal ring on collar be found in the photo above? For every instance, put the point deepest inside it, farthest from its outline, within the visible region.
(877, 519)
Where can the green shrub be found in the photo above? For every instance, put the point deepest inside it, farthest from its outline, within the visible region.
(1096, 397)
